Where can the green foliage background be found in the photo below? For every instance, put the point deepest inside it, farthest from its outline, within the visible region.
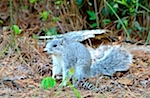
(49, 17)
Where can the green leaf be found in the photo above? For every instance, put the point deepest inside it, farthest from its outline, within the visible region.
(48, 82)
(124, 12)
(118, 1)
(79, 2)
(76, 92)
(134, 1)
(58, 2)
(92, 15)
(55, 19)
(106, 21)
(118, 25)
(122, 2)
(125, 22)
(44, 15)
(137, 26)
(52, 31)
(148, 38)
(1, 22)
(33, 1)
(16, 29)
(93, 25)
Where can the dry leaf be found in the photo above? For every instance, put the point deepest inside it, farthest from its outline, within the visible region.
(125, 81)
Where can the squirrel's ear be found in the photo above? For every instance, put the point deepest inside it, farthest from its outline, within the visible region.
(62, 41)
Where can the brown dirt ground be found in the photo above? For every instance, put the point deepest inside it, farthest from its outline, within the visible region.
(22, 80)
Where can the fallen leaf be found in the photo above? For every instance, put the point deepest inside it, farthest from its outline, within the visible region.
(125, 81)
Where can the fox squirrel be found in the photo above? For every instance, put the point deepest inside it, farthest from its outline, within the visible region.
(67, 55)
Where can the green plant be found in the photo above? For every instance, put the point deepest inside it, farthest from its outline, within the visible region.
(71, 73)
(55, 19)
(75, 91)
(124, 21)
(51, 31)
(4, 50)
(16, 29)
(1, 22)
(33, 1)
(79, 2)
(44, 15)
(106, 21)
(48, 82)
(58, 3)
(148, 38)
(136, 26)
(92, 17)
(131, 6)
(119, 20)
(107, 12)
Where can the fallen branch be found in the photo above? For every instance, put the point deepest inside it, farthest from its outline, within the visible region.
(77, 35)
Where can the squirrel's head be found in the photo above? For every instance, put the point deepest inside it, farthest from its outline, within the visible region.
(54, 46)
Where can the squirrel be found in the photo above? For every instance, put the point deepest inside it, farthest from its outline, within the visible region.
(72, 54)
(67, 55)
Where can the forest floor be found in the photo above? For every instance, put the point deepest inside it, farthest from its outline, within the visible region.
(22, 80)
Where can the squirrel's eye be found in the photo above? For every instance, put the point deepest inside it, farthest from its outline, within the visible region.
(54, 45)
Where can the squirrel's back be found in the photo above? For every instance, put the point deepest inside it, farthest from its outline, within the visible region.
(76, 52)
(77, 56)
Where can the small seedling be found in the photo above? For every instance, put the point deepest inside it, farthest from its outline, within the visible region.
(44, 15)
(58, 3)
(48, 82)
(52, 31)
(16, 29)
(55, 19)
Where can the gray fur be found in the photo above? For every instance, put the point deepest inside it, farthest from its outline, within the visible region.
(70, 54)
(114, 59)
(67, 55)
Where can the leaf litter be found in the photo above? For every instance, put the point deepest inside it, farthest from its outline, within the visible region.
(19, 79)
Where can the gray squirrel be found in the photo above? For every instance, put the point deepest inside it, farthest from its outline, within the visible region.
(67, 55)
(71, 54)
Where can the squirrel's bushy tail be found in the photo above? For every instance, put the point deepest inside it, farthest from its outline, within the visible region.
(113, 59)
